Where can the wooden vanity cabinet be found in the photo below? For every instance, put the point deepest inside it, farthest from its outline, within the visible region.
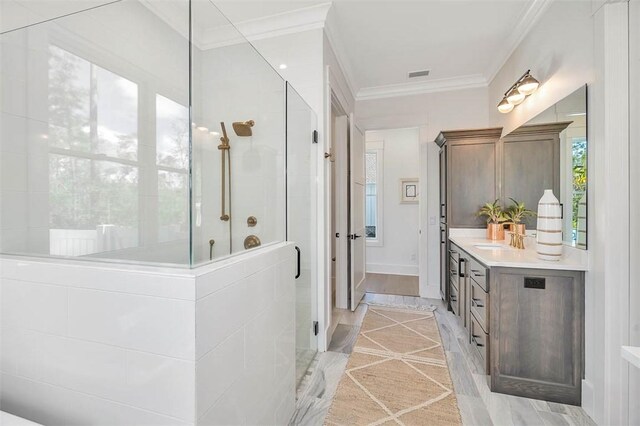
(537, 333)
(530, 163)
(526, 325)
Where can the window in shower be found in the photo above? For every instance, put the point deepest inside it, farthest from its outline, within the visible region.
(373, 193)
(93, 180)
(172, 159)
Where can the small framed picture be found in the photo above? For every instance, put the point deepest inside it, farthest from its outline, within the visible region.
(409, 190)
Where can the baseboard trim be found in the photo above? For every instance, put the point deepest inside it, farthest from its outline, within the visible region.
(381, 268)
(587, 398)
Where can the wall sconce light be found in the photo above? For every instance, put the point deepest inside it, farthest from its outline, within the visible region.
(525, 86)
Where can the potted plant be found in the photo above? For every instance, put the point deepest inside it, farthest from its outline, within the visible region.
(496, 218)
(515, 214)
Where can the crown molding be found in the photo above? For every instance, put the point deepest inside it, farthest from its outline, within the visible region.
(473, 81)
(335, 40)
(290, 22)
(527, 21)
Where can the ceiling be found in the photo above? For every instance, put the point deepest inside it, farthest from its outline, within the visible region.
(462, 42)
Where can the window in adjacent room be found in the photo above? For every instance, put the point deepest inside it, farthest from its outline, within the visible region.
(373, 200)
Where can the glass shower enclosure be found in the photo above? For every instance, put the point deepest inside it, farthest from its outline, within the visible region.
(152, 133)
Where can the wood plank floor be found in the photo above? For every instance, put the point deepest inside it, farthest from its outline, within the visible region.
(401, 285)
(478, 405)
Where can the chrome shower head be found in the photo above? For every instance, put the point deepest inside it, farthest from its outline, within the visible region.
(243, 128)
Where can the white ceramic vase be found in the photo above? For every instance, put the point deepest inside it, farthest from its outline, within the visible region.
(549, 232)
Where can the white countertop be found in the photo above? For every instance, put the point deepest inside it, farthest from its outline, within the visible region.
(631, 354)
(509, 257)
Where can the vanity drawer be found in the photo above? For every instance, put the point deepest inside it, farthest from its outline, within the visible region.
(480, 340)
(453, 271)
(480, 305)
(479, 274)
(454, 298)
(454, 253)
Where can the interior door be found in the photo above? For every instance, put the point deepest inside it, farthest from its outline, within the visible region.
(356, 214)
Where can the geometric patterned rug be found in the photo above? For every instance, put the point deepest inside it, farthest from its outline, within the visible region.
(396, 374)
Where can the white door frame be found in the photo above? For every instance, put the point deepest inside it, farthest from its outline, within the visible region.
(332, 89)
(340, 151)
(357, 243)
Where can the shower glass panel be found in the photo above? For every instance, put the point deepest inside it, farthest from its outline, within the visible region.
(238, 151)
(301, 221)
(94, 150)
(111, 127)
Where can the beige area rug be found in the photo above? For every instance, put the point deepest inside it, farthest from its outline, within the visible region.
(397, 374)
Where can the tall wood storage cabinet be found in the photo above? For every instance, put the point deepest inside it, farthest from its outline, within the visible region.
(530, 164)
(471, 175)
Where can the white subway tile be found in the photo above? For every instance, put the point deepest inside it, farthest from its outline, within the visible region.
(151, 324)
(218, 370)
(13, 214)
(161, 384)
(219, 278)
(13, 134)
(219, 315)
(53, 405)
(34, 306)
(101, 277)
(230, 409)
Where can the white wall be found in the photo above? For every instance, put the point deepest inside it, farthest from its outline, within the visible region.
(399, 227)
(92, 343)
(302, 54)
(634, 231)
(234, 83)
(575, 43)
(561, 67)
(245, 340)
(84, 344)
(431, 112)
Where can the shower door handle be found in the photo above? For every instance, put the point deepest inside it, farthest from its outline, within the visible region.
(298, 273)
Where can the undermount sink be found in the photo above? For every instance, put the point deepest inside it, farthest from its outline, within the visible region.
(490, 246)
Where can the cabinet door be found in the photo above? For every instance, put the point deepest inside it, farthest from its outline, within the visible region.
(472, 182)
(539, 160)
(444, 263)
(537, 333)
(443, 184)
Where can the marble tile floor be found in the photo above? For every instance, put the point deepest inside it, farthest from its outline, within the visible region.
(478, 405)
(319, 385)
(304, 358)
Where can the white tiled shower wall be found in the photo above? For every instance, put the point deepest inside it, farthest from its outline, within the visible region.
(84, 343)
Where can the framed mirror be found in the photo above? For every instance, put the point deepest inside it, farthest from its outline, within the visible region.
(568, 118)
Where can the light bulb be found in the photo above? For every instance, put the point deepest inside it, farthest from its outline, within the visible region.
(528, 85)
(514, 97)
(504, 106)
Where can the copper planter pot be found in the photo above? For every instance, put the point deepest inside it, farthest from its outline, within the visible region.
(495, 231)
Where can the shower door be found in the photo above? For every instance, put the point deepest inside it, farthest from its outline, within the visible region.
(302, 222)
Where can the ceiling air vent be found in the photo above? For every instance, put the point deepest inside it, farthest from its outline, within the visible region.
(421, 73)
